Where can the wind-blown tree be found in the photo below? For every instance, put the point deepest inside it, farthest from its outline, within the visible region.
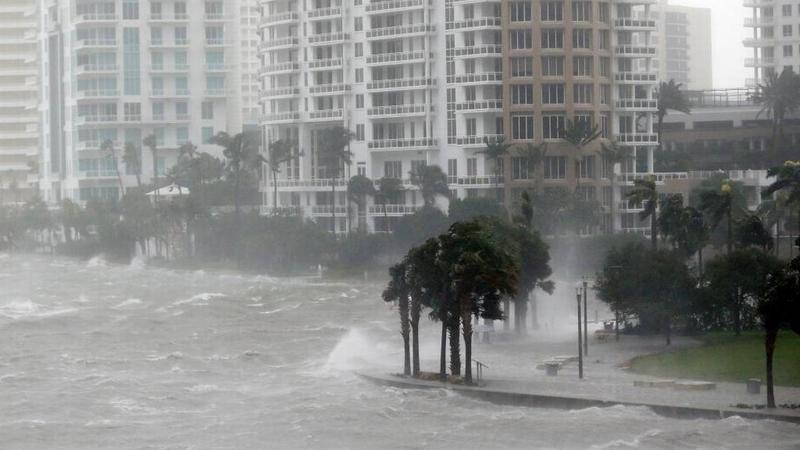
(525, 217)
(279, 153)
(612, 154)
(398, 291)
(111, 152)
(534, 156)
(388, 188)
(774, 213)
(670, 98)
(751, 232)
(580, 134)
(150, 142)
(241, 155)
(550, 208)
(778, 96)
(617, 284)
(778, 306)
(644, 192)
(132, 157)
(431, 181)
(359, 188)
(461, 210)
(334, 153)
(787, 180)
(719, 205)
(496, 151)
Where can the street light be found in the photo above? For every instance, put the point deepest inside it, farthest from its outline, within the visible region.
(585, 318)
(580, 347)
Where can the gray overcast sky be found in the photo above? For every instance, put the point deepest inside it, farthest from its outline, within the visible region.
(727, 23)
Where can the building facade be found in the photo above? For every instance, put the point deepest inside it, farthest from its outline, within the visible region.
(120, 70)
(19, 100)
(684, 45)
(775, 37)
(422, 82)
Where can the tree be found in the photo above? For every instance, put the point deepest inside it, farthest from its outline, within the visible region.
(431, 181)
(359, 188)
(334, 151)
(778, 97)
(644, 192)
(111, 152)
(612, 154)
(751, 231)
(787, 180)
(469, 208)
(719, 205)
(778, 306)
(670, 98)
(398, 291)
(132, 156)
(388, 188)
(534, 156)
(279, 153)
(579, 134)
(774, 213)
(151, 143)
(496, 150)
(240, 152)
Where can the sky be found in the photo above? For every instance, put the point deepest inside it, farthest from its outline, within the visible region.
(727, 28)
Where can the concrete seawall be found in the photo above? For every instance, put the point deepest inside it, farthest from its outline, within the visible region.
(544, 400)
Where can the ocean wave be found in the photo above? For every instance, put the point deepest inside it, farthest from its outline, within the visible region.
(199, 299)
(27, 309)
(129, 303)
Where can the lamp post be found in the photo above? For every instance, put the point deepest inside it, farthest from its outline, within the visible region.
(580, 347)
(585, 318)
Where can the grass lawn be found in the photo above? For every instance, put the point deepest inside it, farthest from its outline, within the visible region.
(725, 357)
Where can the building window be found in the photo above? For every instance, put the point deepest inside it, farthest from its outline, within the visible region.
(359, 50)
(552, 11)
(786, 10)
(472, 167)
(552, 38)
(581, 38)
(207, 134)
(586, 167)
(787, 50)
(583, 93)
(520, 11)
(452, 167)
(359, 100)
(519, 168)
(552, 94)
(472, 127)
(358, 24)
(522, 66)
(582, 66)
(130, 10)
(520, 39)
(359, 75)
(581, 11)
(553, 126)
(555, 167)
(393, 169)
(158, 111)
(521, 94)
(133, 112)
(181, 135)
(131, 62)
(360, 132)
(552, 66)
(787, 30)
(522, 127)
(207, 110)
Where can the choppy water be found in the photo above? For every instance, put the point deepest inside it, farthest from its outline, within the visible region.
(101, 356)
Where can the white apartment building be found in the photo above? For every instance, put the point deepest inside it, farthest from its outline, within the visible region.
(19, 119)
(121, 70)
(426, 82)
(775, 40)
(684, 45)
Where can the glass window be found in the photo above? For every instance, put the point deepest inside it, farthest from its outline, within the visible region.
(207, 134)
(207, 110)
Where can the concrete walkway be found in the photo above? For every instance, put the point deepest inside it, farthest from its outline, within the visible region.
(512, 372)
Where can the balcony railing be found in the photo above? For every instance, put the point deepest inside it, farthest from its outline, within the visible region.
(475, 140)
(388, 5)
(392, 209)
(399, 31)
(402, 83)
(401, 144)
(399, 110)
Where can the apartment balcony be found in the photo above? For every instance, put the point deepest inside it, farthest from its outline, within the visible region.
(475, 141)
(283, 117)
(217, 17)
(96, 119)
(91, 94)
(392, 210)
(628, 24)
(629, 51)
(391, 6)
(489, 181)
(759, 3)
(164, 94)
(213, 67)
(402, 84)
(94, 19)
(177, 43)
(219, 43)
(394, 58)
(98, 174)
(279, 44)
(400, 31)
(284, 18)
(660, 177)
(755, 22)
(764, 61)
(279, 68)
(284, 92)
(96, 69)
(759, 42)
(476, 51)
(328, 210)
(328, 38)
(165, 19)
(281, 210)
(324, 13)
(647, 139)
(481, 106)
(635, 78)
(329, 89)
(216, 92)
(476, 78)
(325, 64)
(95, 44)
(326, 115)
(393, 111)
(636, 105)
(482, 23)
(402, 144)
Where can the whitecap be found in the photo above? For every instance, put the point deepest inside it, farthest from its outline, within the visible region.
(97, 261)
(199, 299)
(203, 388)
(129, 303)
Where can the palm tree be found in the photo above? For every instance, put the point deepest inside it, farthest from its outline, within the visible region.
(151, 143)
(359, 188)
(774, 213)
(279, 153)
(132, 156)
(238, 153)
(719, 205)
(787, 179)
(334, 150)
(495, 150)
(612, 154)
(398, 291)
(388, 188)
(579, 135)
(670, 98)
(111, 152)
(431, 181)
(644, 191)
(534, 156)
(778, 97)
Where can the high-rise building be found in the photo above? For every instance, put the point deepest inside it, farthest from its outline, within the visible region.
(120, 70)
(775, 39)
(19, 117)
(684, 43)
(422, 83)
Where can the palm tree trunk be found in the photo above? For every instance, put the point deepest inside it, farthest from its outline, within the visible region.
(453, 330)
(613, 202)
(466, 319)
(700, 262)
(660, 126)
(507, 314)
(769, 344)
(654, 231)
(333, 204)
(443, 352)
(415, 312)
(616, 325)
(730, 231)
(404, 329)
(668, 330)
(274, 192)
